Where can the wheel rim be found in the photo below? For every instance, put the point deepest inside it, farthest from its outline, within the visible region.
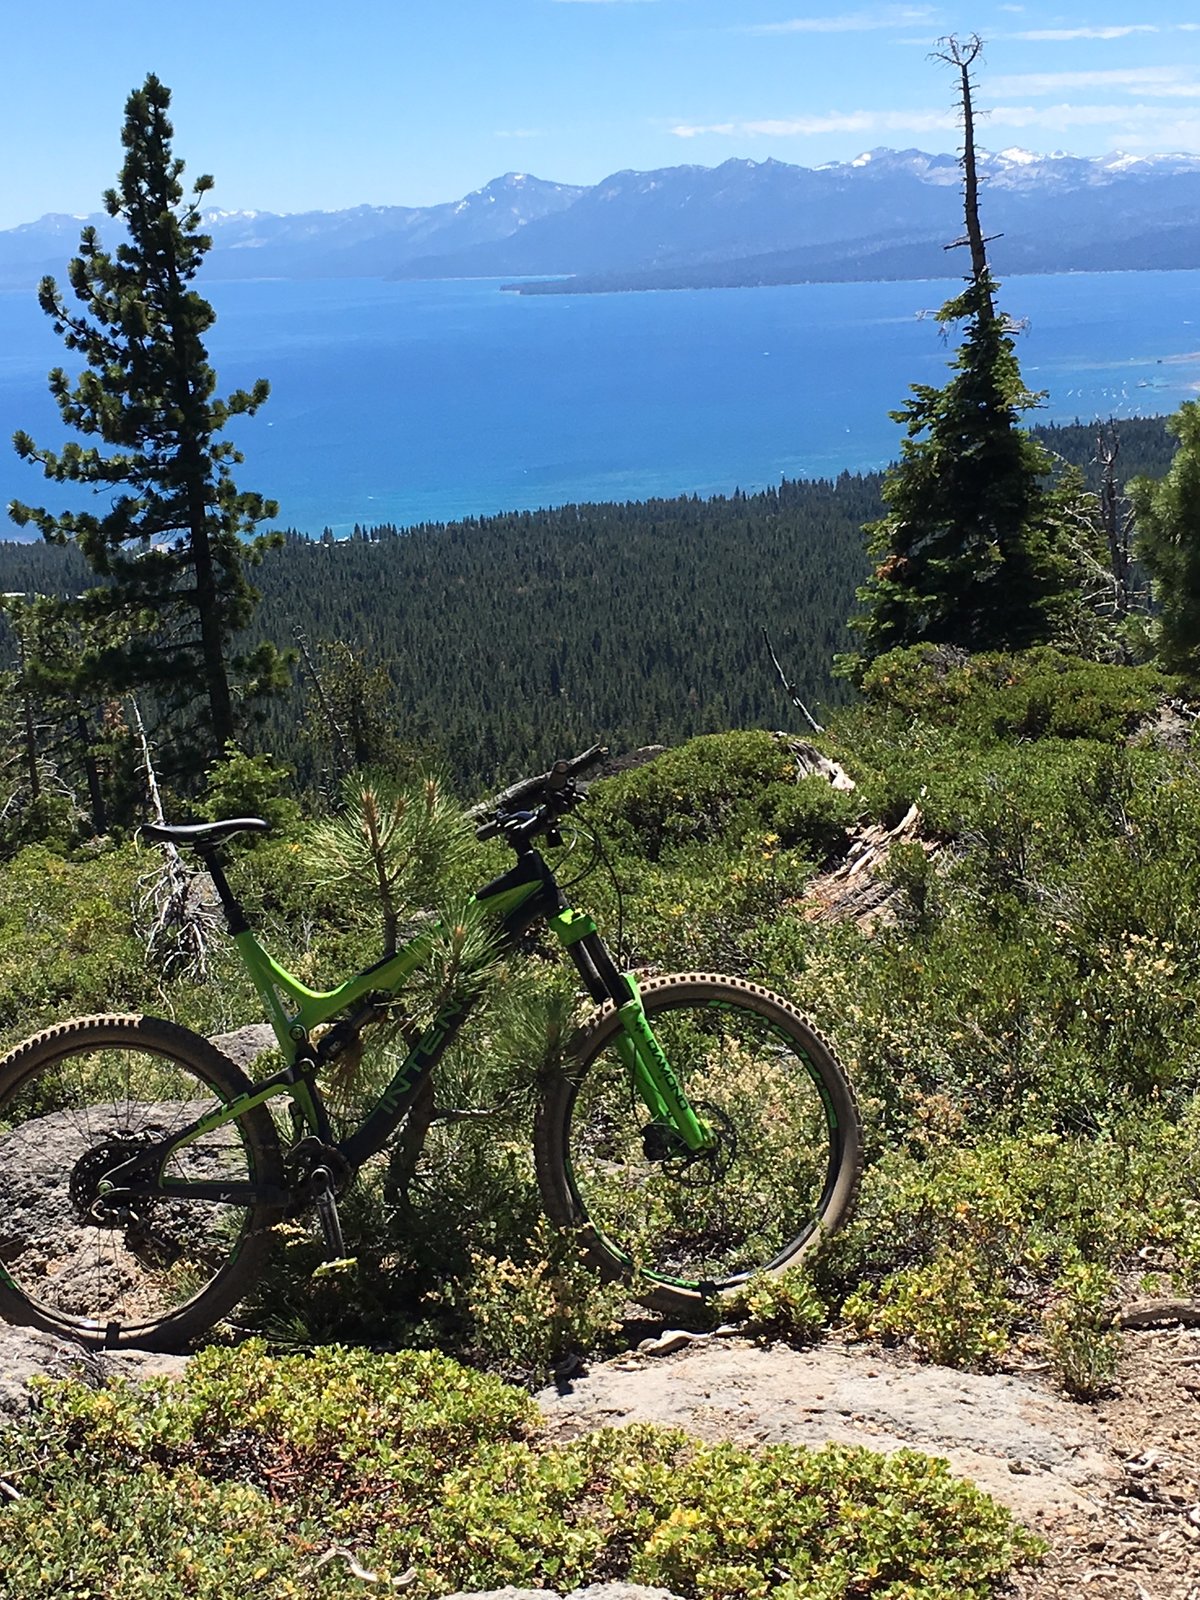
(765, 1190)
(77, 1259)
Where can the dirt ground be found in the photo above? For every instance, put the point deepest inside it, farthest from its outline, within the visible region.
(1113, 1488)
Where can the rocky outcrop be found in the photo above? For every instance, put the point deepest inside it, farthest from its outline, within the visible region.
(27, 1353)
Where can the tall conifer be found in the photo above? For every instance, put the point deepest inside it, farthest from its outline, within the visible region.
(176, 536)
(1167, 521)
(970, 551)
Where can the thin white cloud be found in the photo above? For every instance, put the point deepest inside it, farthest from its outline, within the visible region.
(1121, 117)
(1121, 31)
(849, 22)
(1138, 125)
(1138, 80)
(834, 122)
(1182, 133)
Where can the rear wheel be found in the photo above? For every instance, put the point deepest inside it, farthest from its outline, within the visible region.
(683, 1229)
(78, 1101)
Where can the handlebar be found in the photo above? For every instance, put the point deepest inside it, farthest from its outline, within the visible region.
(556, 790)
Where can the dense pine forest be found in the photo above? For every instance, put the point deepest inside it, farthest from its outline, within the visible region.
(509, 640)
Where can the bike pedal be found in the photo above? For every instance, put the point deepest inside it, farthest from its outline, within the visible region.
(327, 1211)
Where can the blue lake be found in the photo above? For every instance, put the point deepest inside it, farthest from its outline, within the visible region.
(430, 401)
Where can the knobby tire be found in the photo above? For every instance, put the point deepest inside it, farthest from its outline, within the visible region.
(680, 1232)
(69, 1098)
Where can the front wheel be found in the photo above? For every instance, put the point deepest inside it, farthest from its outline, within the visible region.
(684, 1229)
(75, 1103)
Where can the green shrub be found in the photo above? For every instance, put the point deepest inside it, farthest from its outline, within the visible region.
(779, 1306)
(251, 1472)
(53, 820)
(951, 1310)
(67, 942)
(241, 785)
(955, 1247)
(710, 786)
(527, 1315)
(738, 788)
(814, 817)
(702, 907)
(1079, 1334)
(1029, 695)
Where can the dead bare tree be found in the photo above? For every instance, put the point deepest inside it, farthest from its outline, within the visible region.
(341, 751)
(1116, 518)
(176, 914)
(789, 690)
(962, 54)
(33, 777)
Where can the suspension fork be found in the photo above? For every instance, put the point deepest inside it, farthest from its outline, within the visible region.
(640, 1053)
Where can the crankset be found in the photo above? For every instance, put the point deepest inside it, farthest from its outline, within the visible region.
(319, 1173)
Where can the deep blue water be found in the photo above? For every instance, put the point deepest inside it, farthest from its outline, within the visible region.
(428, 401)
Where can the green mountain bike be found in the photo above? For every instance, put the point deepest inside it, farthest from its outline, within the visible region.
(700, 1132)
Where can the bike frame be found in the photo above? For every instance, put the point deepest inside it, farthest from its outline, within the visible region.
(526, 894)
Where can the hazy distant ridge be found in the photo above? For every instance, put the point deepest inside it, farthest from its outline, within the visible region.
(887, 214)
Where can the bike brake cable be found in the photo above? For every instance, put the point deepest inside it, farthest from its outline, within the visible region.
(590, 866)
(622, 953)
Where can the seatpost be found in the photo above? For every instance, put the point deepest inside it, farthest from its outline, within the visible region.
(235, 917)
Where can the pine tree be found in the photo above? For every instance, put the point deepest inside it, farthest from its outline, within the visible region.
(969, 551)
(175, 539)
(62, 730)
(1167, 521)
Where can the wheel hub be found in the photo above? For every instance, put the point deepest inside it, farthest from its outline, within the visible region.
(90, 1188)
(664, 1145)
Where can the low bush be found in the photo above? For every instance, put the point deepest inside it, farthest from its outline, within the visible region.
(67, 943)
(1079, 1334)
(783, 1306)
(1030, 695)
(710, 786)
(526, 1315)
(294, 1476)
(952, 1309)
(957, 1247)
(734, 787)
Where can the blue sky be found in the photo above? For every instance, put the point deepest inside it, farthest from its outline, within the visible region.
(294, 107)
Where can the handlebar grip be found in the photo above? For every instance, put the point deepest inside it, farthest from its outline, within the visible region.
(562, 771)
(545, 783)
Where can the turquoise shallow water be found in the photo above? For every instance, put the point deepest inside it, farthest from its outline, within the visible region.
(428, 401)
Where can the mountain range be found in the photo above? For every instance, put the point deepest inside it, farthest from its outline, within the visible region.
(886, 214)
